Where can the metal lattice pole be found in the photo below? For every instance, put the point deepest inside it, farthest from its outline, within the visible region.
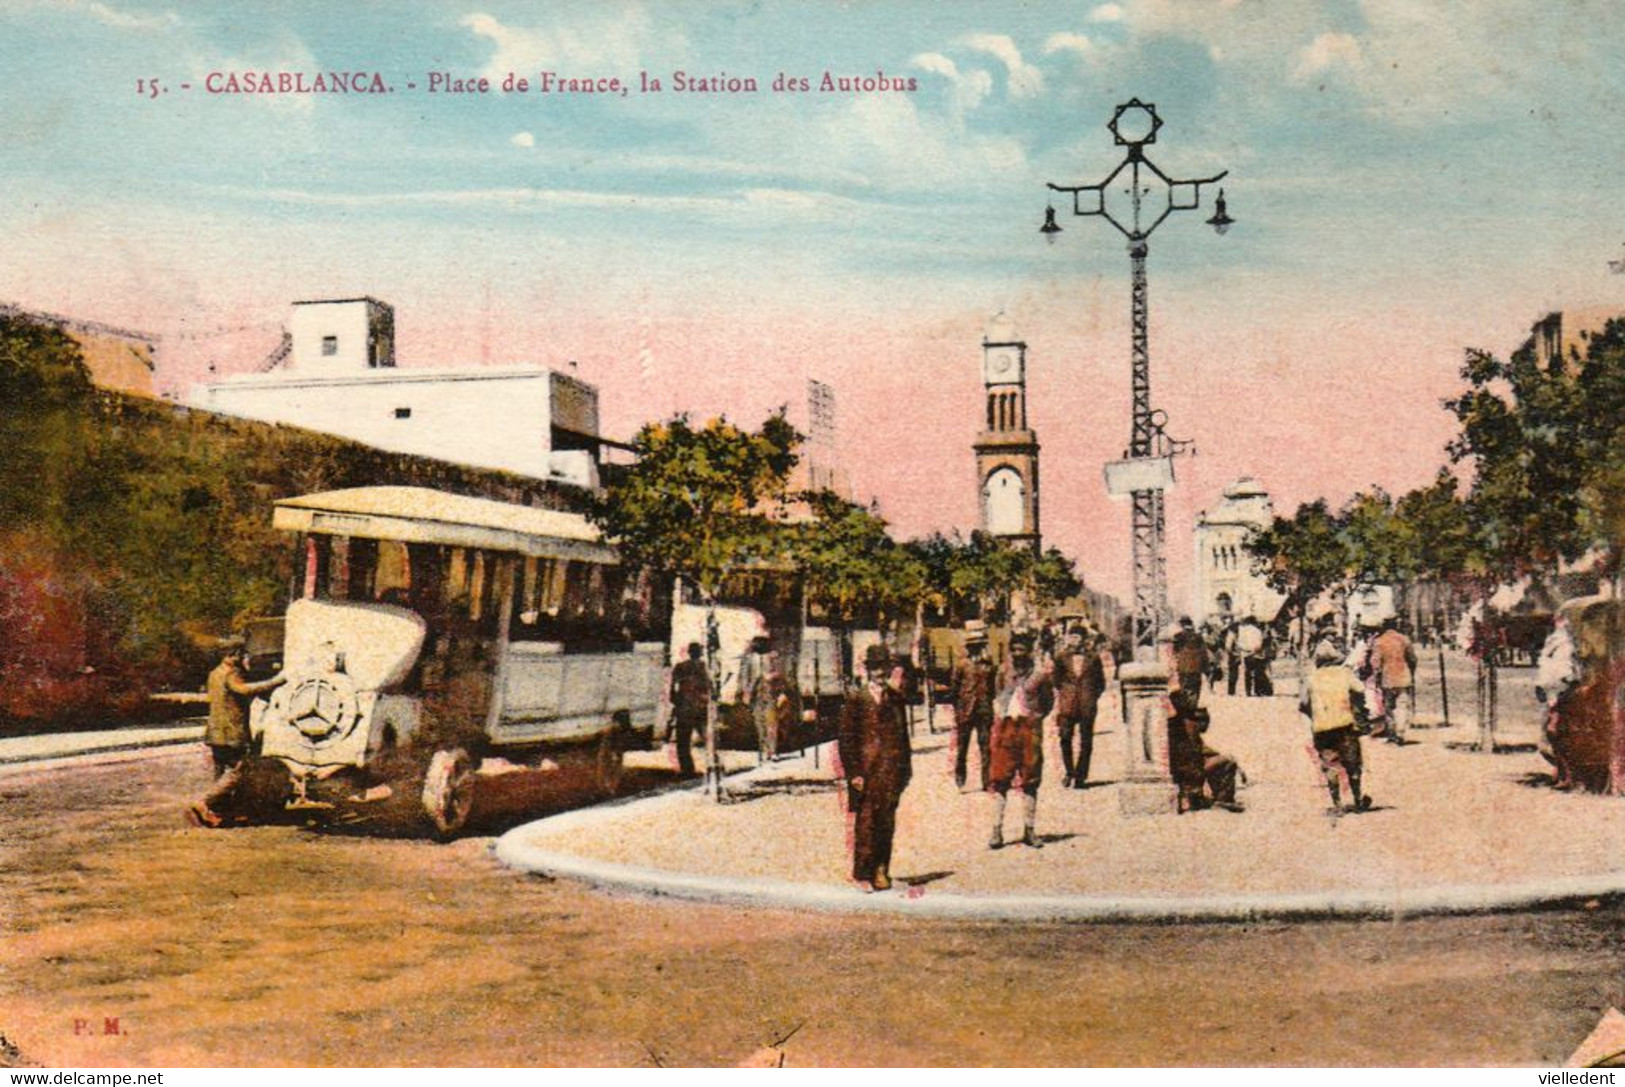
(1146, 532)
(1151, 197)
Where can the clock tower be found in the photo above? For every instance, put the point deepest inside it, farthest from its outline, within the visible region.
(1007, 450)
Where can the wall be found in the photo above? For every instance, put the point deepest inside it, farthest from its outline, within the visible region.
(492, 418)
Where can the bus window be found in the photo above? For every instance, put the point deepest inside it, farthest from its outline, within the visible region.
(361, 563)
(457, 569)
(392, 573)
(478, 587)
(533, 611)
(427, 563)
(338, 568)
(317, 562)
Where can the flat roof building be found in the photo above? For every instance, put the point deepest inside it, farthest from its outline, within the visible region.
(337, 374)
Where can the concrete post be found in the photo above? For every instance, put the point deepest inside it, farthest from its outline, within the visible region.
(1146, 788)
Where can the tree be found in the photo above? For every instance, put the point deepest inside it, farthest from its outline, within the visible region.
(1302, 556)
(842, 554)
(992, 572)
(1445, 541)
(1053, 578)
(697, 504)
(936, 557)
(1521, 429)
(1600, 441)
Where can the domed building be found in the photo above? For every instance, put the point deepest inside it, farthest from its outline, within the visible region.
(1224, 582)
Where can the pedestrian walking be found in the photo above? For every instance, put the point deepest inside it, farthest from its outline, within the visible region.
(1393, 666)
(1025, 697)
(876, 762)
(1190, 657)
(227, 732)
(1333, 701)
(973, 684)
(1251, 646)
(757, 691)
(1080, 679)
(690, 705)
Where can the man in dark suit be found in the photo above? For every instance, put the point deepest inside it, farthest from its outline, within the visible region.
(973, 705)
(1079, 680)
(1190, 657)
(877, 762)
(690, 704)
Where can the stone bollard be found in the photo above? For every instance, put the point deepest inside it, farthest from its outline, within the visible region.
(1146, 787)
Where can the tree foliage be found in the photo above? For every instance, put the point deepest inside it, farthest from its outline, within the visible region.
(1546, 442)
(697, 502)
(1521, 429)
(1302, 556)
(988, 572)
(849, 563)
(1426, 533)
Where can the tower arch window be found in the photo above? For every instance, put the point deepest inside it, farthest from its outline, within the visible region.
(1004, 498)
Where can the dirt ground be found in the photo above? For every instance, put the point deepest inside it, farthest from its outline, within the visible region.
(291, 946)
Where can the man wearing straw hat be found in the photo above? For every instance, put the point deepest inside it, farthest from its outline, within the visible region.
(1334, 702)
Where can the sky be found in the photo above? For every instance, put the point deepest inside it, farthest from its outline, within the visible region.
(1408, 179)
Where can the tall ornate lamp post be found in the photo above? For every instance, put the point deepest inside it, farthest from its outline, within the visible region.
(1135, 198)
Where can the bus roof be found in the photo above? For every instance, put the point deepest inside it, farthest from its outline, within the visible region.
(422, 515)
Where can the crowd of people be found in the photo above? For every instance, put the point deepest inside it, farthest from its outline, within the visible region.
(999, 715)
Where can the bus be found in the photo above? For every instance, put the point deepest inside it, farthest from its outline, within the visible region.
(430, 632)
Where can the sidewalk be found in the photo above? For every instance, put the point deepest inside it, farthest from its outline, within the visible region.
(1451, 830)
(65, 745)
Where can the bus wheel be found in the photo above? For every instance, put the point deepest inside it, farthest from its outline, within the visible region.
(448, 790)
(606, 764)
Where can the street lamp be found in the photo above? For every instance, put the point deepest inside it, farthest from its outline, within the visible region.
(1135, 198)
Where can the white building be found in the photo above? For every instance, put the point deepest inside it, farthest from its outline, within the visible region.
(1225, 582)
(339, 376)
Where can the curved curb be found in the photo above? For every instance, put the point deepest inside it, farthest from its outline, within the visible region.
(764, 893)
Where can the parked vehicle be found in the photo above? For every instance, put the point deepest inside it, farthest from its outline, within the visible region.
(431, 632)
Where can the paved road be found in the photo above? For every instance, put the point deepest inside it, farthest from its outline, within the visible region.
(285, 945)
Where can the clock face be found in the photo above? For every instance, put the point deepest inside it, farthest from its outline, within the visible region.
(1001, 366)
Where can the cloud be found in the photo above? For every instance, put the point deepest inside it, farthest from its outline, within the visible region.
(1327, 52)
(1065, 42)
(522, 139)
(612, 36)
(808, 203)
(867, 136)
(1025, 80)
(1106, 13)
(970, 88)
(126, 20)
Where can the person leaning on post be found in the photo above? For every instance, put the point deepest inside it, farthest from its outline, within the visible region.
(226, 733)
